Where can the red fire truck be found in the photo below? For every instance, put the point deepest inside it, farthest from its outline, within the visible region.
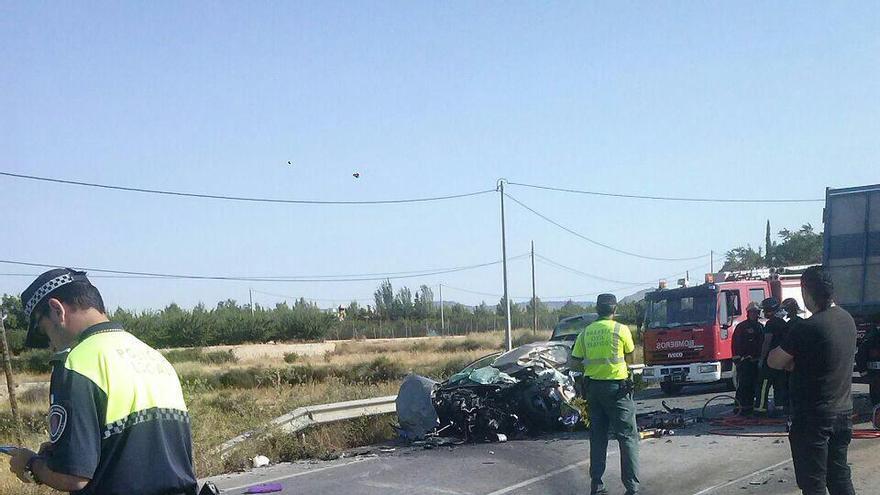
(688, 330)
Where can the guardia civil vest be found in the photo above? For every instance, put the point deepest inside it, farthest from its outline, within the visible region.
(601, 347)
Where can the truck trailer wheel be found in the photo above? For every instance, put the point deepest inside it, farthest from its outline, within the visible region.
(670, 388)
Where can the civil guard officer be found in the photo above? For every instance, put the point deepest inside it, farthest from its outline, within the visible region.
(599, 351)
(117, 418)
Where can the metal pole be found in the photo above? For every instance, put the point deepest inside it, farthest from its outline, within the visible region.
(711, 261)
(508, 331)
(534, 296)
(442, 320)
(251, 291)
(10, 381)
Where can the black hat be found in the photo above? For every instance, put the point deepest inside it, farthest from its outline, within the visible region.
(791, 306)
(37, 292)
(606, 299)
(770, 304)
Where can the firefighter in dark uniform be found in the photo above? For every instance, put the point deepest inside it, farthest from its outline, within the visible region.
(117, 419)
(748, 340)
(599, 351)
(775, 333)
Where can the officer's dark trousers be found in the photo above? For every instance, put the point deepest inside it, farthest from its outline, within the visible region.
(818, 448)
(611, 413)
(746, 384)
(778, 381)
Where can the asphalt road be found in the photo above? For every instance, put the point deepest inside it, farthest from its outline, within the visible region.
(694, 461)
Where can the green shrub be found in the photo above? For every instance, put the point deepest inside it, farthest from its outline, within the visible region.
(242, 378)
(218, 357)
(33, 361)
(297, 375)
(192, 354)
(460, 345)
(528, 338)
(381, 369)
(291, 357)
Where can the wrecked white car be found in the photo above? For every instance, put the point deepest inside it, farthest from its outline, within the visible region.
(521, 392)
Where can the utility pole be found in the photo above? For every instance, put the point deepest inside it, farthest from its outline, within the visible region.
(10, 381)
(711, 261)
(508, 331)
(251, 291)
(442, 320)
(534, 296)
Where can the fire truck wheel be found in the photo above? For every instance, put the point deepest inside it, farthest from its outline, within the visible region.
(670, 388)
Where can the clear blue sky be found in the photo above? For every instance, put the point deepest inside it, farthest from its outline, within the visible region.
(421, 98)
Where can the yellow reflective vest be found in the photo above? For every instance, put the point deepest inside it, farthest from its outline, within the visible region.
(601, 347)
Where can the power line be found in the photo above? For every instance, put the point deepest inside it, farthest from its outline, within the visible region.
(668, 198)
(549, 262)
(597, 243)
(628, 286)
(424, 273)
(242, 198)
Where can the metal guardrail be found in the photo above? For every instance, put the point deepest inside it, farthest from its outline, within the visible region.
(303, 417)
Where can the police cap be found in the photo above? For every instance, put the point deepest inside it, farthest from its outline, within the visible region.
(39, 290)
(606, 299)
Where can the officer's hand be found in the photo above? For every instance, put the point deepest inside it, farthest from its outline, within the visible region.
(45, 448)
(17, 462)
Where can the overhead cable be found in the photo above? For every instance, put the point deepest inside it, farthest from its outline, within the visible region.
(264, 279)
(242, 198)
(600, 244)
(632, 286)
(670, 198)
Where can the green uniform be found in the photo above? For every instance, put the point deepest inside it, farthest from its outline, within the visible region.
(601, 347)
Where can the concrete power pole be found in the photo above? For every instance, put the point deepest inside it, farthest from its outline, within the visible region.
(508, 331)
(534, 295)
(251, 292)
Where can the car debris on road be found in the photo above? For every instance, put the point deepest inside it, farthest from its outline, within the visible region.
(522, 392)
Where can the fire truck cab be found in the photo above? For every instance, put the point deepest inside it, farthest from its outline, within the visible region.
(688, 330)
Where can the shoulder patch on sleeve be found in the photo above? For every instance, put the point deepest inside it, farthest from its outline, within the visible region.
(57, 422)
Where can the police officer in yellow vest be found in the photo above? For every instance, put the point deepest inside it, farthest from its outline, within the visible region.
(600, 350)
(117, 419)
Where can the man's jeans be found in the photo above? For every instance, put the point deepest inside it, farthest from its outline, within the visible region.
(818, 448)
(610, 411)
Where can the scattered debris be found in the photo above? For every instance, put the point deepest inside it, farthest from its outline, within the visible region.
(265, 488)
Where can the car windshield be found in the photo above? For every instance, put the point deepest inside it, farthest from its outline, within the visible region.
(678, 309)
(569, 329)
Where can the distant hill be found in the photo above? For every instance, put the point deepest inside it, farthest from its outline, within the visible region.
(638, 296)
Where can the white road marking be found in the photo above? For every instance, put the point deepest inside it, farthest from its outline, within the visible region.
(738, 480)
(537, 479)
(410, 488)
(295, 475)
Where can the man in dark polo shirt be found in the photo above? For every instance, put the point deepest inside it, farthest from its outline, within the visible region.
(820, 352)
(118, 423)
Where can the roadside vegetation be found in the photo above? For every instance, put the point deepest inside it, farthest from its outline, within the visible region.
(240, 370)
